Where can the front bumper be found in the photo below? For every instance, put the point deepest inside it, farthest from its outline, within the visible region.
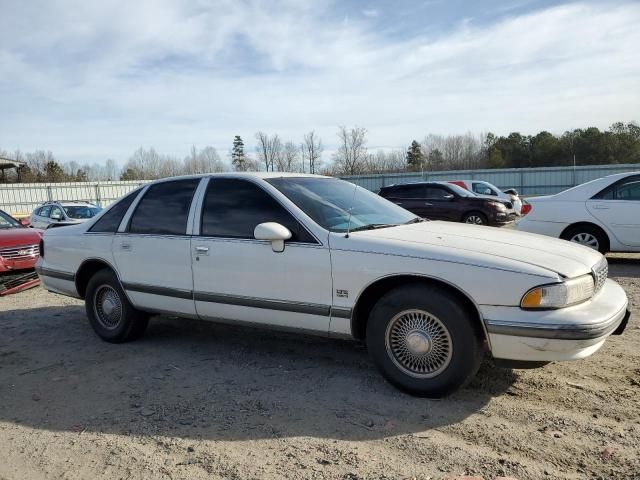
(554, 335)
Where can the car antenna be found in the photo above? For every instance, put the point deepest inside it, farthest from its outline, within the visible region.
(353, 199)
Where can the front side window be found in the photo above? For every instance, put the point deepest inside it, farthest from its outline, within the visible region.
(56, 213)
(437, 193)
(483, 189)
(110, 221)
(164, 209)
(233, 208)
(337, 205)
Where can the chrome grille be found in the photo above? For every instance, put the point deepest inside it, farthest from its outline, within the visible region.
(22, 251)
(600, 274)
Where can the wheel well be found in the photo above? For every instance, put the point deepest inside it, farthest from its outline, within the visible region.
(373, 292)
(590, 225)
(86, 271)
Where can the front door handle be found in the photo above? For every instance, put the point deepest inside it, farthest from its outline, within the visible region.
(601, 207)
(202, 250)
(125, 246)
(428, 204)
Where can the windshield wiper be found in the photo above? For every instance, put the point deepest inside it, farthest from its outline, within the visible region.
(415, 220)
(373, 226)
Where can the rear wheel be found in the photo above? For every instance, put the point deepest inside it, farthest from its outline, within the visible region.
(475, 218)
(423, 341)
(589, 236)
(110, 313)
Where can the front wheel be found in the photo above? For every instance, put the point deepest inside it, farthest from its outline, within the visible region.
(475, 218)
(110, 313)
(423, 341)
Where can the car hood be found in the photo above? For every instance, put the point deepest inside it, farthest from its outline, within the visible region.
(559, 256)
(14, 237)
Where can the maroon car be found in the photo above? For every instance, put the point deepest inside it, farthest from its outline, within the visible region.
(445, 201)
(19, 249)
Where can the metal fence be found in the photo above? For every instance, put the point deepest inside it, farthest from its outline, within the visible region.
(22, 198)
(528, 181)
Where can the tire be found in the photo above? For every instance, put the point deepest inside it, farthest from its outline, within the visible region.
(475, 218)
(589, 236)
(104, 298)
(421, 317)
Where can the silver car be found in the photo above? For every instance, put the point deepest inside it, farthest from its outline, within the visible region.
(59, 213)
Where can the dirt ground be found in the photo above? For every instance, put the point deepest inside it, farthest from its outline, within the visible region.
(197, 400)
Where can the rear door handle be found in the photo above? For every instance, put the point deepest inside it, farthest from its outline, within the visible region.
(601, 207)
(125, 246)
(398, 203)
(202, 250)
(428, 204)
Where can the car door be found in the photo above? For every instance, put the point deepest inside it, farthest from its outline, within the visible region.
(152, 249)
(40, 217)
(411, 197)
(618, 207)
(441, 203)
(241, 279)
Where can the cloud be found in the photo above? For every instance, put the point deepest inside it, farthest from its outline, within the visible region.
(370, 12)
(91, 80)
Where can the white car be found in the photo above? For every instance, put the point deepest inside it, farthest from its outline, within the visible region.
(60, 213)
(603, 214)
(320, 255)
(486, 189)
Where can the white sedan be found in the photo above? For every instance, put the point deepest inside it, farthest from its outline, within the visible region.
(320, 255)
(603, 214)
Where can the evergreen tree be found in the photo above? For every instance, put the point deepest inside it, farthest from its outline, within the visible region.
(238, 160)
(415, 158)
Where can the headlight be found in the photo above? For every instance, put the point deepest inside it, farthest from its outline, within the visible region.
(558, 295)
(498, 205)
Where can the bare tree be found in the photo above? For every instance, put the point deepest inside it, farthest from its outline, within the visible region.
(206, 160)
(290, 158)
(311, 149)
(269, 150)
(352, 150)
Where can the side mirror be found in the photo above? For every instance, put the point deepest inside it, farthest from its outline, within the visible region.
(449, 196)
(25, 222)
(273, 232)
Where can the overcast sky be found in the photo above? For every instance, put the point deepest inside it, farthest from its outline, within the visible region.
(92, 80)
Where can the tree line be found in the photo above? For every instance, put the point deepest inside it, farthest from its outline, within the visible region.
(352, 156)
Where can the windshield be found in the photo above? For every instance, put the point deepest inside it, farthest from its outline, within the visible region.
(7, 221)
(81, 211)
(328, 201)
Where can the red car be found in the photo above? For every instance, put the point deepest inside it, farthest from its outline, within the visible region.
(19, 249)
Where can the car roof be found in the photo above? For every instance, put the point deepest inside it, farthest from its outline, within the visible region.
(245, 175)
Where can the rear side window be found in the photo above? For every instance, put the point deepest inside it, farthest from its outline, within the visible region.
(410, 191)
(436, 192)
(164, 209)
(110, 221)
(44, 211)
(233, 208)
(626, 189)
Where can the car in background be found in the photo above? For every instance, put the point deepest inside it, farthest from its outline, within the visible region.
(447, 201)
(480, 187)
(19, 245)
(603, 214)
(320, 255)
(60, 213)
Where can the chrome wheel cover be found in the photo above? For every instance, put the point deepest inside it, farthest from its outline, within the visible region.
(586, 239)
(418, 343)
(107, 306)
(474, 219)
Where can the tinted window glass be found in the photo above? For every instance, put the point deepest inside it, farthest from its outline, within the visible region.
(56, 212)
(44, 211)
(233, 208)
(483, 189)
(436, 192)
(629, 189)
(164, 208)
(410, 191)
(110, 221)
